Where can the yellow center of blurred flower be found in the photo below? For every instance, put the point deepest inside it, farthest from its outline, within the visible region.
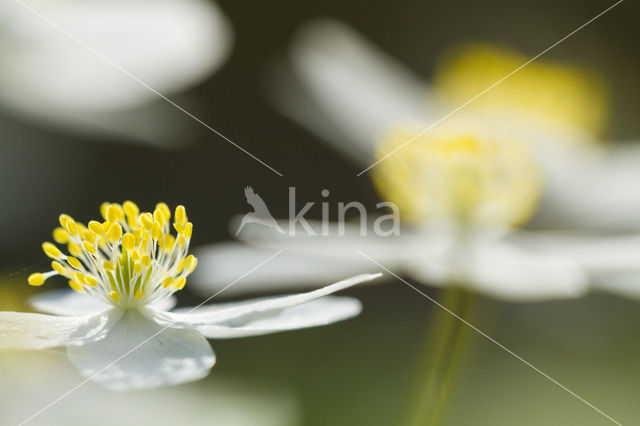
(459, 177)
(552, 93)
(130, 259)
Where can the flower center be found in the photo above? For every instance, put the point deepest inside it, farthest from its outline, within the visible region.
(128, 260)
(555, 94)
(460, 177)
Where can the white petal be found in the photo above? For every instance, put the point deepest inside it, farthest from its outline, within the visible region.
(612, 262)
(20, 330)
(509, 272)
(67, 303)
(589, 191)
(323, 311)
(168, 44)
(265, 312)
(72, 303)
(355, 85)
(225, 266)
(504, 270)
(121, 361)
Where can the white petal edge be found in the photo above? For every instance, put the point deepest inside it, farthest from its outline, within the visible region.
(22, 330)
(245, 313)
(121, 361)
(355, 84)
(323, 311)
(72, 303)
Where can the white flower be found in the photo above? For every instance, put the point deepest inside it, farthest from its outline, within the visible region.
(124, 272)
(169, 45)
(465, 184)
(351, 93)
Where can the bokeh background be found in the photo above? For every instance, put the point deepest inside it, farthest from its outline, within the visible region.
(357, 372)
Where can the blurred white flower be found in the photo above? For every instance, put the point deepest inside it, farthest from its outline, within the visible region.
(30, 381)
(507, 160)
(169, 45)
(348, 91)
(116, 323)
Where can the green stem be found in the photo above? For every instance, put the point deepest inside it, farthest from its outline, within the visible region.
(441, 359)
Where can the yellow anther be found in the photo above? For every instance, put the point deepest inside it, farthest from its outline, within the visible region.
(179, 227)
(104, 207)
(135, 254)
(63, 218)
(88, 236)
(130, 209)
(167, 282)
(51, 250)
(138, 234)
(74, 249)
(186, 264)
(96, 227)
(76, 286)
(79, 277)
(75, 263)
(181, 240)
(180, 282)
(180, 266)
(36, 279)
(193, 265)
(139, 295)
(169, 242)
(145, 260)
(89, 247)
(146, 220)
(56, 266)
(188, 230)
(108, 266)
(115, 232)
(156, 230)
(112, 213)
(128, 241)
(137, 268)
(60, 236)
(90, 281)
(181, 215)
(165, 209)
(70, 225)
(115, 296)
(158, 216)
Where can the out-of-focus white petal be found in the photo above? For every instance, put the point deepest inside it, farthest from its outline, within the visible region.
(594, 191)
(506, 271)
(169, 45)
(612, 262)
(304, 257)
(267, 312)
(357, 86)
(21, 330)
(170, 357)
(323, 311)
(226, 265)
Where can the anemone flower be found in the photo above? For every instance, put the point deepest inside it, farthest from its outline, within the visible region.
(115, 320)
(342, 87)
(471, 188)
(72, 80)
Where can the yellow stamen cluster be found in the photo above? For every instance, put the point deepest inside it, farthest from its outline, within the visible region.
(128, 259)
(457, 176)
(556, 94)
